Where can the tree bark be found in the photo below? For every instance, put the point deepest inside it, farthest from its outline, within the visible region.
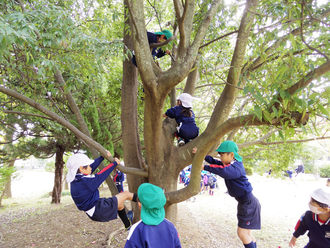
(59, 164)
(129, 119)
(7, 191)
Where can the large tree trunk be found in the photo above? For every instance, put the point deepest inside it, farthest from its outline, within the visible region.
(57, 190)
(129, 120)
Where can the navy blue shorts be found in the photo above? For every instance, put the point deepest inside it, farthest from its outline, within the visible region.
(248, 213)
(106, 209)
(120, 188)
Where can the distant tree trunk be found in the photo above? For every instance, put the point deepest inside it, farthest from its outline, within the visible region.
(59, 163)
(7, 190)
(65, 184)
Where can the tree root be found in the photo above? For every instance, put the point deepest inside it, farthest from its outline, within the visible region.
(113, 233)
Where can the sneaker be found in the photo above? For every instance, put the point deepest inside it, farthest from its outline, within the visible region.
(181, 142)
(130, 218)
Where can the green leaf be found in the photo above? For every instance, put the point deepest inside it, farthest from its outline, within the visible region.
(275, 111)
(323, 110)
(246, 90)
(258, 112)
(281, 135)
(267, 116)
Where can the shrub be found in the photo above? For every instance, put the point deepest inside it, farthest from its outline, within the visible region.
(325, 171)
(249, 171)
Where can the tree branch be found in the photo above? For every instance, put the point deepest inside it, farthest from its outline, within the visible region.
(264, 143)
(72, 128)
(29, 114)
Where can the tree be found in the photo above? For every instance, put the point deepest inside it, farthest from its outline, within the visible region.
(273, 73)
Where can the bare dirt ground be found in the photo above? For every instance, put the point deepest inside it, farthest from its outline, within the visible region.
(209, 221)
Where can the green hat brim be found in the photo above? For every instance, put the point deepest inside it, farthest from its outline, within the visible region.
(236, 155)
(167, 33)
(152, 217)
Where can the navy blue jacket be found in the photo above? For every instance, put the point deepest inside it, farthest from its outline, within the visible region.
(319, 233)
(175, 112)
(84, 188)
(119, 177)
(234, 174)
(163, 235)
(156, 52)
(189, 129)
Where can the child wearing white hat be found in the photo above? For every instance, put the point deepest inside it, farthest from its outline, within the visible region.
(85, 194)
(185, 118)
(316, 221)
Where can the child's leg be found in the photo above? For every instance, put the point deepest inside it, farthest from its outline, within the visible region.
(246, 236)
(121, 198)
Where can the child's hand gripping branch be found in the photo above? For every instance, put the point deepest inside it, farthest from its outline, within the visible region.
(194, 151)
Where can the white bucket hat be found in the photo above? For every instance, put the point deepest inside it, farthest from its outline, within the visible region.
(186, 100)
(322, 195)
(73, 164)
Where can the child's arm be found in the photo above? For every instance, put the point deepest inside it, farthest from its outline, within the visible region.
(98, 161)
(229, 171)
(300, 229)
(211, 160)
(293, 241)
(95, 182)
(170, 113)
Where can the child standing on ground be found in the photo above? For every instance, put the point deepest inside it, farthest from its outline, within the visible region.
(232, 170)
(119, 178)
(185, 118)
(316, 221)
(85, 194)
(153, 230)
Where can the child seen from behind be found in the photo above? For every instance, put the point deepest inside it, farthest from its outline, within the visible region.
(185, 118)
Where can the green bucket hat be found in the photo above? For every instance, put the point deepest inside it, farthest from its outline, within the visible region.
(153, 200)
(230, 146)
(167, 33)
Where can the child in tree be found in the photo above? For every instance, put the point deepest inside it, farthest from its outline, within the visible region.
(158, 37)
(153, 230)
(85, 194)
(316, 221)
(232, 170)
(185, 118)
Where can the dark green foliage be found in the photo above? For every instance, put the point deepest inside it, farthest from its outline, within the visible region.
(249, 171)
(325, 171)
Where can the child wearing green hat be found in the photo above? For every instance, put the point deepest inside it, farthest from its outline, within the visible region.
(153, 230)
(232, 170)
(157, 37)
